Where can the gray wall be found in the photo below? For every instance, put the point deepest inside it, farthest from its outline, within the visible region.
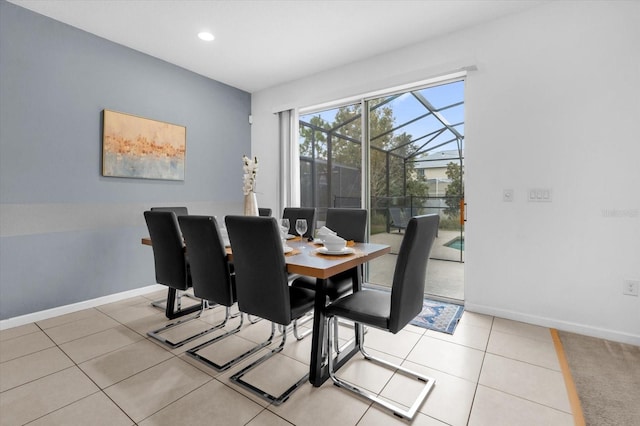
(68, 234)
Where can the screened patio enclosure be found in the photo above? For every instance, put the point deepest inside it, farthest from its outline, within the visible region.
(416, 163)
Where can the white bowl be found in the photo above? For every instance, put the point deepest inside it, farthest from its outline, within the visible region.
(335, 245)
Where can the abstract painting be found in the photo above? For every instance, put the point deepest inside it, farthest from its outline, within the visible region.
(137, 147)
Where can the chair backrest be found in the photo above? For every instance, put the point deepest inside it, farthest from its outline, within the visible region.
(264, 211)
(208, 263)
(350, 224)
(179, 211)
(261, 273)
(407, 291)
(168, 249)
(308, 213)
(398, 217)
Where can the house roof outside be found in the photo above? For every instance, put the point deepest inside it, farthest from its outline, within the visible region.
(437, 160)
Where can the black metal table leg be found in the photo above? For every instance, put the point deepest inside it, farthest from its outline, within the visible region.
(319, 373)
(316, 376)
(170, 311)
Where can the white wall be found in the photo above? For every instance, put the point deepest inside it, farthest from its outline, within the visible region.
(555, 104)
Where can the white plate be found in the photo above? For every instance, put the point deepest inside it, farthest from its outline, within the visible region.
(346, 250)
(290, 237)
(288, 249)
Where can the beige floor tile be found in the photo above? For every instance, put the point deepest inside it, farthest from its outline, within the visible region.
(24, 345)
(377, 416)
(21, 330)
(533, 351)
(120, 364)
(35, 399)
(326, 405)
(298, 349)
(398, 345)
(130, 313)
(217, 314)
(522, 329)
(415, 329)
(32, 367)
(151, 320)
(153, 389)
(451, 358)
(94, 345)
(495, 408)
(465, 334)
(184, 330)
(224, 351)
(121, 304)
(449, 400)
(258, 332)
(66, 318)
(94, 410)
(80, 328)
(267, 418)
(276, 374)
(155, 295)
(224, 376)
(367, 374)
(212, 403)
(475, 319)
(531, 382)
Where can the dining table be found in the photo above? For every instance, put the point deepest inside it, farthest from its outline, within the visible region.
(307, 259)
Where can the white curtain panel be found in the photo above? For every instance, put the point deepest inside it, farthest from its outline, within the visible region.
(289, 191)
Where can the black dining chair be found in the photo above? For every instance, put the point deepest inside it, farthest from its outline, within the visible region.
(264, 211)
(171, 266)
(307, 213)
(390, 311)
(211, 279)
(263, 289)
(350, 224)
(179, 211)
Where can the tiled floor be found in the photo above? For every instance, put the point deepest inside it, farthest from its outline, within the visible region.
(97, 366)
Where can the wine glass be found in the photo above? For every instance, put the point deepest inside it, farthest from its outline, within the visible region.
(284, 226)
(301, 227)
(284, 231)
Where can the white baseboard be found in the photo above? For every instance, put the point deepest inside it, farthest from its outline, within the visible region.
(602, 333)
(67, 309)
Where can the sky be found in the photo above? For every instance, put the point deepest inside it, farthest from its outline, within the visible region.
(406, 107)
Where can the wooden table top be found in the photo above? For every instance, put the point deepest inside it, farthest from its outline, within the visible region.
(305, 259)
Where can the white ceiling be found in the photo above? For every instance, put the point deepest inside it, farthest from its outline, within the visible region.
(263, 43)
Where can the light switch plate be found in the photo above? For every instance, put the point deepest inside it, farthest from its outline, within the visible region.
(507, 195)
(538, 195)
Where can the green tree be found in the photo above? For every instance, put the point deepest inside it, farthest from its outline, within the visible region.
(308, 134)
(346, 135)
(454, 190)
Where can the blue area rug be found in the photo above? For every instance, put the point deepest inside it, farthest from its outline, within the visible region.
(438, 316)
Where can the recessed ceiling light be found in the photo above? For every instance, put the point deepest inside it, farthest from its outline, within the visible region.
(206, 36)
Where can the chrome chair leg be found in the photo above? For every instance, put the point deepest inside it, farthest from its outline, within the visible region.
(301, 321)
(396, 410)
(275, 400)
(193, 352)
(157, 334)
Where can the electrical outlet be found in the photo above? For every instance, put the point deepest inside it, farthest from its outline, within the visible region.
(507, 195)
(631, 287)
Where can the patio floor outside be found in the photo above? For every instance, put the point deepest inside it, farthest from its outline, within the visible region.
(445, 278)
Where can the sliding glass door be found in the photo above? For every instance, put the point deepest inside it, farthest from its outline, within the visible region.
(331, 159)
(414, 146)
